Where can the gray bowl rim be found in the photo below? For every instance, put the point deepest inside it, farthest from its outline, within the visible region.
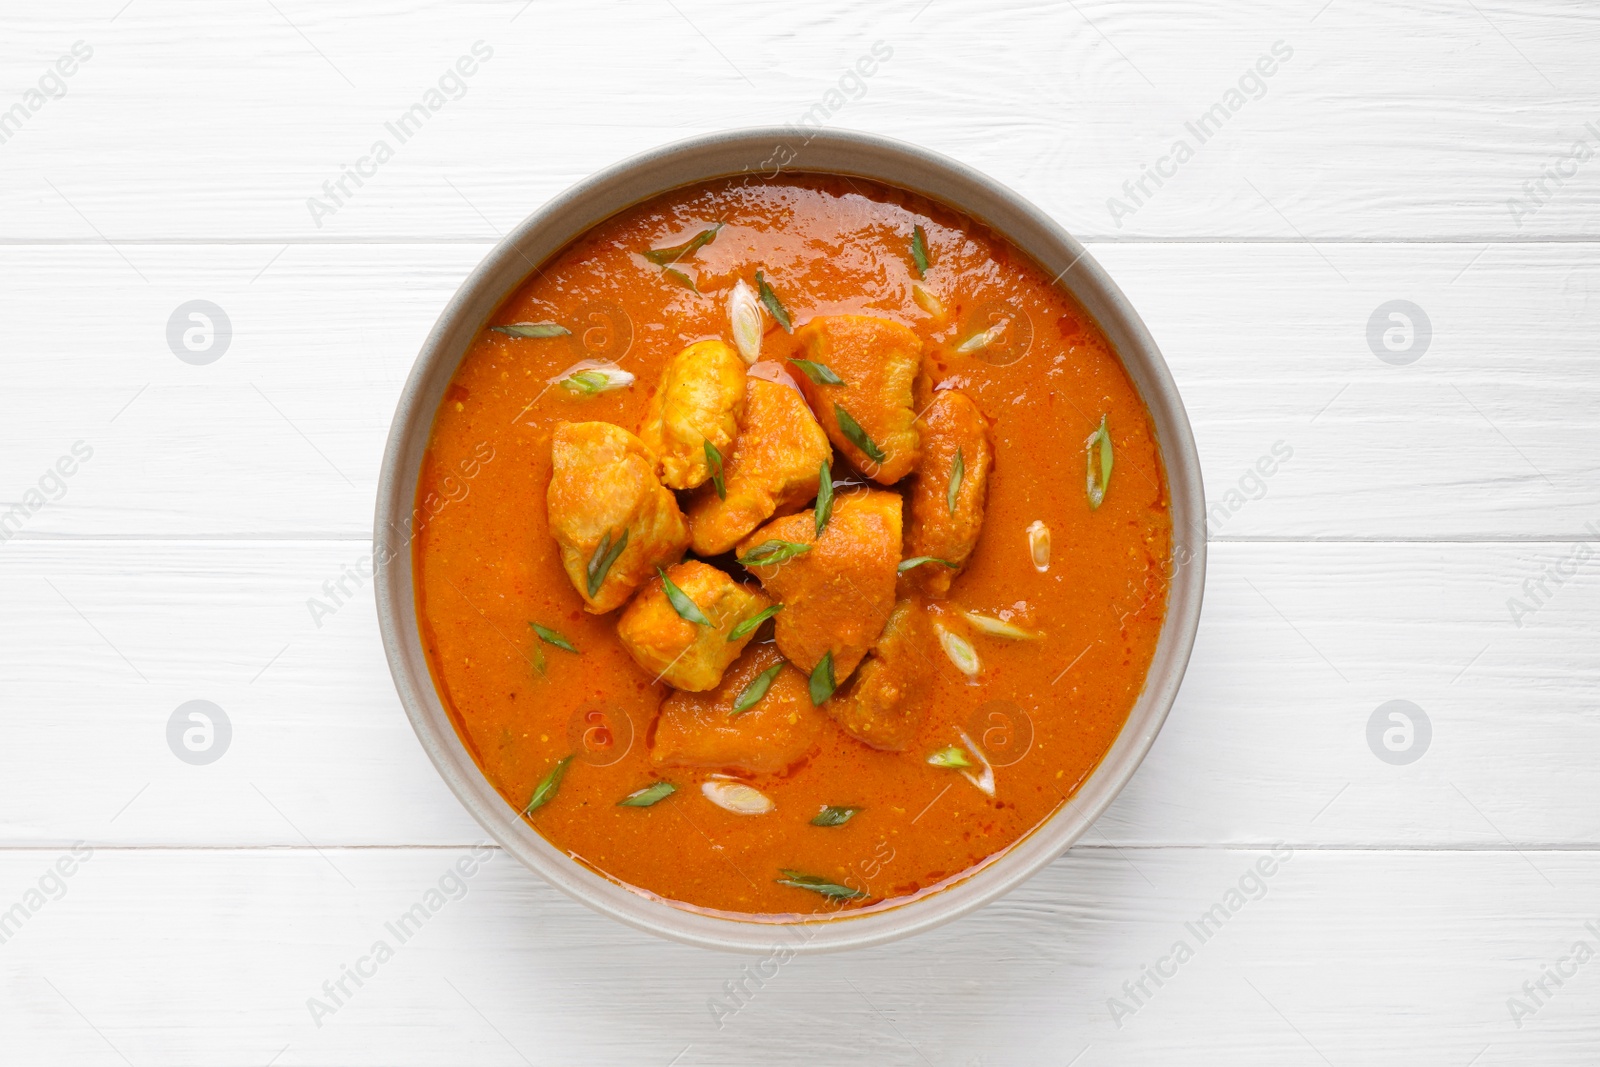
(765, 153)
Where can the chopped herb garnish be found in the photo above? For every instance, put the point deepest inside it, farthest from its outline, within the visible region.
(686, 608)
(714, 463)
(917, 561)
(956, 471)
(545, 791)
(950, 756)
(751, 695)
(650, 794)
(820, 373)
(665, 257)
(824, 496)
(532, 329)
(769, 552)
(1097, 489)
(818, 885)
(551, 637)
(834, 816)
(822, 683)
(998, 627)
(538, 660)
(605, 554)
(857, 436)
(748, 627)
(585, 382)
(960, 652)
(744, 316)
(681, 278)
(982, 339)
(773, 304)
(592, 377)
(919, 251)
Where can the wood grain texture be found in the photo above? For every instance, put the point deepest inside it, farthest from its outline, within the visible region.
(1484, 436)
(1340, 957)
(1392, 156)
(223, 121)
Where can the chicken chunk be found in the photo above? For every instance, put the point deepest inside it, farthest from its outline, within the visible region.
(683, 652)
(943, 524)
(838, 593)
(883, 706)
(700, 398)
(614, 521)
(774, 468)
(878, 361)
(702, 729)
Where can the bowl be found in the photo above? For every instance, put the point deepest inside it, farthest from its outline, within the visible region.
(767, 153)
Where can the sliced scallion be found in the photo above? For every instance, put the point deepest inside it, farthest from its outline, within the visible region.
(605, 554)
(748, 627)
(857, 436)
(752, 694)
(775, 551)
(687, 609)
(552, 637)
(650, 794)
(546, 790)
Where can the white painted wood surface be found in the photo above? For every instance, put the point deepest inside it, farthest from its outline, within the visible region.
(1376, 564)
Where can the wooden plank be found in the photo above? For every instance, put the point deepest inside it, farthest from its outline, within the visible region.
(1336, 956)
(1363, 132)
(1484, 436)
(1299, 646)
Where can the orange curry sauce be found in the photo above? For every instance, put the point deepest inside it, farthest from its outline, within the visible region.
(1045, 711)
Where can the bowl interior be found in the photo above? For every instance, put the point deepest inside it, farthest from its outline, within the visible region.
(766, 154)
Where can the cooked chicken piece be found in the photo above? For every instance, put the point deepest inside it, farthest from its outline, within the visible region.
(773, 469)
(702, 729)
(614, 521)
(883, 706)
(943, 525)
(838, 593)
(878, 361)
(699, 398)
(684, 653)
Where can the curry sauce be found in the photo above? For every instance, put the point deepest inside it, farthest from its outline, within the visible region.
(1027, 654)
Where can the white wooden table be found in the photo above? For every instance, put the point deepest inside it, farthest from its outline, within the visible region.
(1392, 156)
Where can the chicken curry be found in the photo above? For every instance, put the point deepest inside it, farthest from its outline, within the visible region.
(819, 554)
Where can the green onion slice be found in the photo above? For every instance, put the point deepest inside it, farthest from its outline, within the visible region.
(917, 561)
(1097, 489)
(546, 790)
(665, 257)
(681, 278)
(551, 637)
(748, 627)
(650, 794)
(751, 695)
(818, 885)
(822, 681)
(834, 815)
(824, 496)
(919, 251)
(714, 463)
(605, 554)
(686, 608)
(773, 304)
(769, 552)
(532, 329)
(820, 373)
(950, 756)
(857, 436)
